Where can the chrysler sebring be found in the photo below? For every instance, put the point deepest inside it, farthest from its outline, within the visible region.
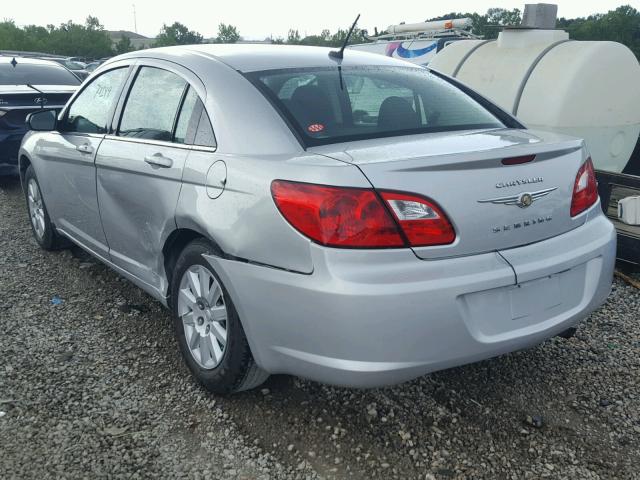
(357, 221)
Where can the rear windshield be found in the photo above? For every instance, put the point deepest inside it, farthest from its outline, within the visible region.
(30, 73)
(325, 105)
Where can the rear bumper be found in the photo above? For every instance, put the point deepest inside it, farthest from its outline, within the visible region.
(374, 318)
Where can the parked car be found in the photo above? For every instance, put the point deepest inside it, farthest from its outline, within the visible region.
(27, 85)
(93, 65)
(77, 68)
(358, 222)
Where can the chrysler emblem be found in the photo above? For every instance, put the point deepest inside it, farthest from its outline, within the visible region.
(522, 200)
(525, 200)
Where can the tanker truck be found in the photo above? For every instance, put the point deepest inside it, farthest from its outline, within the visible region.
(588, 89)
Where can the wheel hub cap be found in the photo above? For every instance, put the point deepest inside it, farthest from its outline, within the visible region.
(203, 311)
(36, 208)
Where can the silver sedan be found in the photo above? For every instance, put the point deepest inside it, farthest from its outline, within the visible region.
(357, 221)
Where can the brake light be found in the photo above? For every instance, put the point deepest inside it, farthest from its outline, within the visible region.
(357, 217)
(518, 160)
(336, 216)
(421, 220)
(585, 189)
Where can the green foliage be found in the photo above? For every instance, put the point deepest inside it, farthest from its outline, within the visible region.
(88, 40)
(177, 34)
(326, 38)
(227, 34)
(487, 25)
(620, 25)
(293, 37)
(124, 45)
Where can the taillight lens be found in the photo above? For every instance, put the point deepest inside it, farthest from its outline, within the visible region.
(585, 189)
(336, 216)
(421, 220)
(357, 218)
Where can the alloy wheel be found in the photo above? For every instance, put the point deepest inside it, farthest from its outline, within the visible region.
(36, 208)
(203, 311)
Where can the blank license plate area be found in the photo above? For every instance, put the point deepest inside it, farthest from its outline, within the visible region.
(532, 298)
(494, 315)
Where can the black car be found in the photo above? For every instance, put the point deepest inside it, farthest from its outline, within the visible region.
(27, 85)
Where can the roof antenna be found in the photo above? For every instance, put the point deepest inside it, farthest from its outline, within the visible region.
(339, 54)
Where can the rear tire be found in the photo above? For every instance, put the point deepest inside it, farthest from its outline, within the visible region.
(43, 230)
(207, 327)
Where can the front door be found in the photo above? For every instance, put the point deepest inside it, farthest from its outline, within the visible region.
(69, 156)
(139, 170)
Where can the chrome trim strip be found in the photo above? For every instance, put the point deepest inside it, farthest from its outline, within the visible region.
(144, 141)
(515, 199)
(7, 108)
(159, 143)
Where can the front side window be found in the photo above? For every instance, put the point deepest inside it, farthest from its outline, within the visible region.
(89, 112)
(327, 105)
(152, 105)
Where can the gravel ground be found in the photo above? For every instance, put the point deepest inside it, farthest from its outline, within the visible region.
(93, 386)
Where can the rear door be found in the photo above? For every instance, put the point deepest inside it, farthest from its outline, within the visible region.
(139, 166)
(68, 171)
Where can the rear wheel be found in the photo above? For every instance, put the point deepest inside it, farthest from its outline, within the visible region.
(41, 226)
(208, 329)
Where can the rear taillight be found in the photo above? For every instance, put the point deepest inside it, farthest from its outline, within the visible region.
(585, 189)
(421, 220)
(357, 217)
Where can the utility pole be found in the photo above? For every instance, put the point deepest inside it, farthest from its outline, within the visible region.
(135, 20)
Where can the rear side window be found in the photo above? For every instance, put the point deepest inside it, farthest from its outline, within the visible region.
(36, 74)
(325, 105)
(194, 126)
(187, 120)
(152, 105)
(89, 112)
(204, 133)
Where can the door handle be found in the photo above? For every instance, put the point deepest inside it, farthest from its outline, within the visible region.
(85, 148)
(159, 160)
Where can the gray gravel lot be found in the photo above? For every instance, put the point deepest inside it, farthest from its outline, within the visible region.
(94, 387)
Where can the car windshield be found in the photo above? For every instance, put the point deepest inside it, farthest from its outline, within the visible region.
(325, 105)
(71, 65)
(36, 74)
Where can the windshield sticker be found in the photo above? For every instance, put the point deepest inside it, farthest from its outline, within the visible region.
(315, 127)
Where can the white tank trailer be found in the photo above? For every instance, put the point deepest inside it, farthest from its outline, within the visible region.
(588, 89)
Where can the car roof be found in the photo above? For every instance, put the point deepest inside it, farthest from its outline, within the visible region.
(255, 57)
(27, 61)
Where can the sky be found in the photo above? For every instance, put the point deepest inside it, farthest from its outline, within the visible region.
(261, 19)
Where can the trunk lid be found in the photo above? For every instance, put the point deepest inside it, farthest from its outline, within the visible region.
(485, 200)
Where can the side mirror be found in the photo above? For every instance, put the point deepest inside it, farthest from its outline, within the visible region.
(42, 121)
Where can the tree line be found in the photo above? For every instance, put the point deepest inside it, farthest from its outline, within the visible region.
(93, 41)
